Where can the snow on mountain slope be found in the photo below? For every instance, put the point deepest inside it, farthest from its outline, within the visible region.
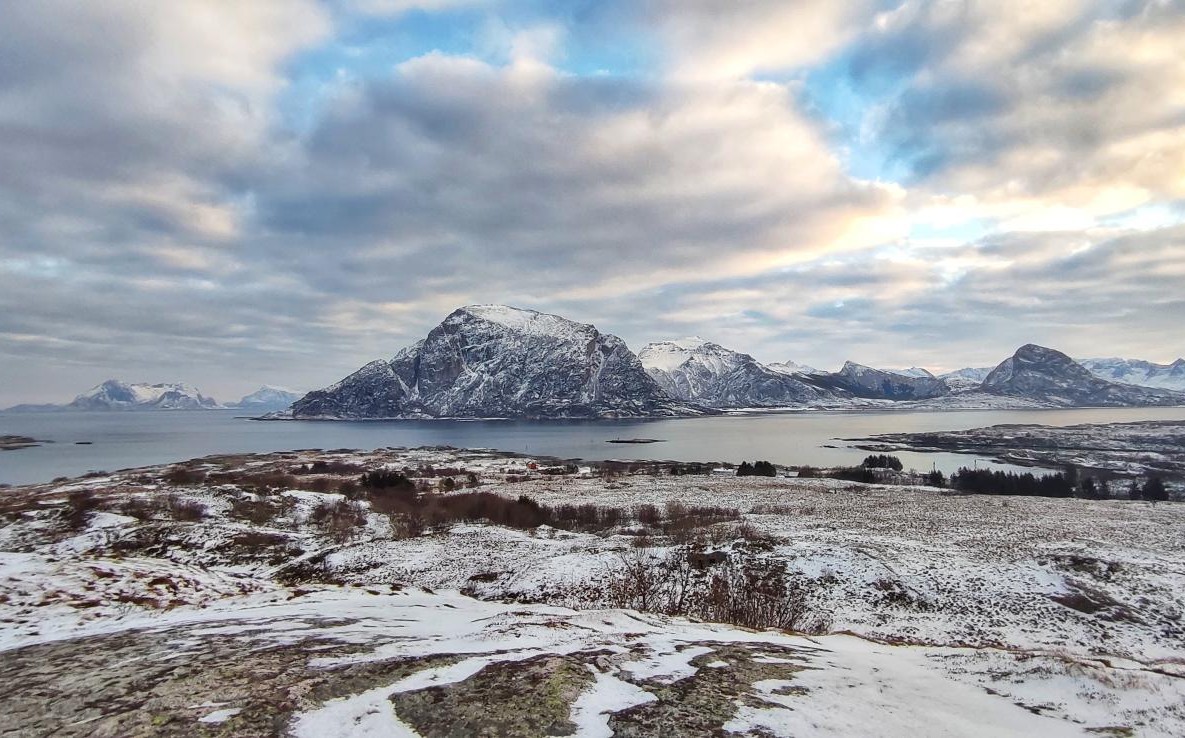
(1139, 372)
(701, 371)
(1044, 374)
(962, 380)
(487, 361)
(116, 395)
(914, 371)
(268, 398)
(791, 367)
(864, 381)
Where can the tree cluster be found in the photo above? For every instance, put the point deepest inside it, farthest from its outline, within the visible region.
(882, 461)
(995, 482)
(757, 469)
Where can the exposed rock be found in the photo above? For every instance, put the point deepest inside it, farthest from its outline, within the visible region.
(864, 381)
(1043, 374)
(492, 361)
(704, 372)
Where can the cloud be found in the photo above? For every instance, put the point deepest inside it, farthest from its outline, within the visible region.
(1074, 103)
(575, 185)
(660, 169)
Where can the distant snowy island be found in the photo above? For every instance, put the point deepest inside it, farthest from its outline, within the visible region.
(114, 394)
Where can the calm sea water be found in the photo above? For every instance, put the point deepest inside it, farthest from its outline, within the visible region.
(118, 440)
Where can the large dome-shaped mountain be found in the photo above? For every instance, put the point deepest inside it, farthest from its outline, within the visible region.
(704, 372)
(1043, 374)
(493, 361)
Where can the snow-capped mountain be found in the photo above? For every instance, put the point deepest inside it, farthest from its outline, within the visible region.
(704, 372)
(1046, 375)
(914, 371)
(793, 367)
(1139, 372)
(962, 380)
(498, 361)
(268, 398)
(864, 381)
(116, 395)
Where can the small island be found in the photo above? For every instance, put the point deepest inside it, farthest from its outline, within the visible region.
(635, 440)
(12, 443)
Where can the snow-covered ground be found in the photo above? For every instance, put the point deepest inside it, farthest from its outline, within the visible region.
(946, 615)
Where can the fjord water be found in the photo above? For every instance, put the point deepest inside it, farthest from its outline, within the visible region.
(116, 440)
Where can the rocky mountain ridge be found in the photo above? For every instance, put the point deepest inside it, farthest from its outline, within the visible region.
(700, 371)
(1040, 373)
(494, 361)
(1139, 372)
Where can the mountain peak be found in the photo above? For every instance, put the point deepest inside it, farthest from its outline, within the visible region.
(1047, 375)
(496, 361)
(1034, 352)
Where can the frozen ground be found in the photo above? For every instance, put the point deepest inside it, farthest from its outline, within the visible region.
(1113, 449)
(946, 615)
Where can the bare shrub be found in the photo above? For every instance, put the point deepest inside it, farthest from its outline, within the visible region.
(750, 592)
(80, 504)
(321, 484)
(648, 515)
(190, 511)
(339, 518)
(328, 467)
(258, 512)
(183, 476)
(270, 483)
(349, 489)
(136, 507)
(685, 523)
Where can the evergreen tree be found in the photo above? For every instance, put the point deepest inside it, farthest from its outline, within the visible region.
(745, 469)
(1154, 490)
(764, 469)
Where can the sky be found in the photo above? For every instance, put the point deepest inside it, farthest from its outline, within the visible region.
(231, 194)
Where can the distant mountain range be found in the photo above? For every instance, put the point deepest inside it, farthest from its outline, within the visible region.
(495, 361)
(116, 395)
(1142, 373)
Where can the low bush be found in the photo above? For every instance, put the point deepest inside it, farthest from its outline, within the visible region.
(137, 507)
(80, 505)
(339, 518)
(718, 588)
(183, 476)
(259, 512)
(190, 511)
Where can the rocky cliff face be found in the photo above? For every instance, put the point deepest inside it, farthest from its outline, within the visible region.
(703, 372)
(493, 361)
(864, 381)
(1043, 374)
(970, 378)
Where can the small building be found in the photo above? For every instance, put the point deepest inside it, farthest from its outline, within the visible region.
(724, 472)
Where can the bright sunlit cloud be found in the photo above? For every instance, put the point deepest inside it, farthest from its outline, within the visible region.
(234, 193)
